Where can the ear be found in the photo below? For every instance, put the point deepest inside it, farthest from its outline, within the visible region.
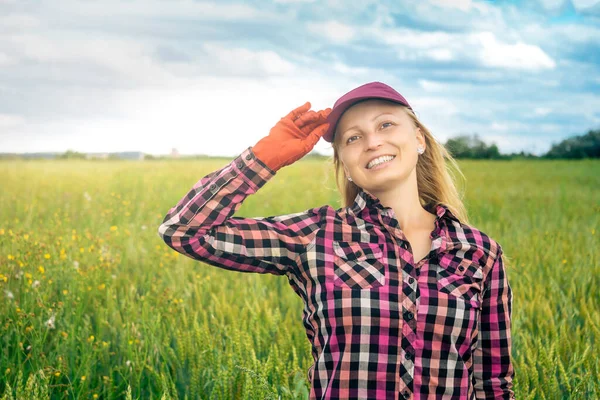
(420, 137)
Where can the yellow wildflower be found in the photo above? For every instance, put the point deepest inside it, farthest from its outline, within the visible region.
(114, 228)
(11, 257)
(41, 269)
(46, 256)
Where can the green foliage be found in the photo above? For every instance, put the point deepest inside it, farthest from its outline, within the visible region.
(72, 155)
(465, 146)
(100, 306)
(584, 146)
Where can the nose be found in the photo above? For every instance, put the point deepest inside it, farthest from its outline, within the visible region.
(373, 141)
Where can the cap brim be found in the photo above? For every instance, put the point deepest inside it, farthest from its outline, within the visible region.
(339, 109)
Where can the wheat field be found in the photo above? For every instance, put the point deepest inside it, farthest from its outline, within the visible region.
(96, 306)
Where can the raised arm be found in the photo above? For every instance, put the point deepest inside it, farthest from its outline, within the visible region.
(493, 367)
(202, 226)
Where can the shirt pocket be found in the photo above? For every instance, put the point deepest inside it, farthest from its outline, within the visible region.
(461, 279)
(358, 265)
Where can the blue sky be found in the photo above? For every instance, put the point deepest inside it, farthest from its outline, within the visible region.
(214, 77)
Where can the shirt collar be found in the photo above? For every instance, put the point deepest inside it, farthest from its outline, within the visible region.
(366, 202)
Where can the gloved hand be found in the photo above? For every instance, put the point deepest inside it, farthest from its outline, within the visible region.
(292, 137)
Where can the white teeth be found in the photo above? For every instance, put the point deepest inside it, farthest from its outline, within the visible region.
(379, 160)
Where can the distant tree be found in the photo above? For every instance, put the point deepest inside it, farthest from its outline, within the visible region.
(72, 155)
(313, 154)
(149, 157)
(465, 146)
(583, 146)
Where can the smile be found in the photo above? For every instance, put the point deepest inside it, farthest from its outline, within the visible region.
(373, 164)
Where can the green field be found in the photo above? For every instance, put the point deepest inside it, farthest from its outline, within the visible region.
(95, 305)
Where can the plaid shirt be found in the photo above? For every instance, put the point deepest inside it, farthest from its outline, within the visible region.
(381, 325)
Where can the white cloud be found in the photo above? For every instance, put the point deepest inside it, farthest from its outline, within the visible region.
(128, 59)
(137, 9)
(516, 56)
(294, 1)
(333, 30)
(350, 71)
(583, 4)
(242, 61)
(431, 86)
(18, 21)
(542, 111)
(208, 115)
(480, 47)
(9, 121)
(462, 5)
(5, 59)
(441, 54)
(552, 5)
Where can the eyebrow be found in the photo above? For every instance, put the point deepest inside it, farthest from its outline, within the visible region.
(374, 118)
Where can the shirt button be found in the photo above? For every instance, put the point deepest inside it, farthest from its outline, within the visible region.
(408, 355)
(358, 254)
(411, 280)
(404, 245)
(461, 268)
(240, 164)
(213, 187)
(408, 315)
(249, 157)
(406, 395)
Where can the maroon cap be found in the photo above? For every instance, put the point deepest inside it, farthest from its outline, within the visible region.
(375, 90)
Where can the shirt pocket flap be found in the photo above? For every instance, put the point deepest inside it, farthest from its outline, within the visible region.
(357, 251)
(464, 267)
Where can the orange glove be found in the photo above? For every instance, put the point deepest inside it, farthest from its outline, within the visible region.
(292, 137)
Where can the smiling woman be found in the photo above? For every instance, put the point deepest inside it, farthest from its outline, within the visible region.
(402, 298)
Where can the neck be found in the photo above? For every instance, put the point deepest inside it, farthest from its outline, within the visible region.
(403, 198)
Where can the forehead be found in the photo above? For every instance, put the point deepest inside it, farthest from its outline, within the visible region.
(366, 110)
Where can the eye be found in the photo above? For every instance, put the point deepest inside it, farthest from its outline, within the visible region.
(382, 125)
(348, 141)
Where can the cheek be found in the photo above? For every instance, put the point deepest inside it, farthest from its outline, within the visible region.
(349, 158)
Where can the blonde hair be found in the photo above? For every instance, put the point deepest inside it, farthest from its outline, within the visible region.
(436, 175)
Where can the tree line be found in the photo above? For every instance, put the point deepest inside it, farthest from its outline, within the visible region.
(576, 147)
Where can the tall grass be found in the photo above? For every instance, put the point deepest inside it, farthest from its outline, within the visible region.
(95, 305)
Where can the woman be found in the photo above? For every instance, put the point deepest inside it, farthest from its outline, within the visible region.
(402, 299)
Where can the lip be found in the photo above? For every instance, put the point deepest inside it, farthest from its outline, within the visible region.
(381, 155)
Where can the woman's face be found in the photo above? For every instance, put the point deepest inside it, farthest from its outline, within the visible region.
(375, 128)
